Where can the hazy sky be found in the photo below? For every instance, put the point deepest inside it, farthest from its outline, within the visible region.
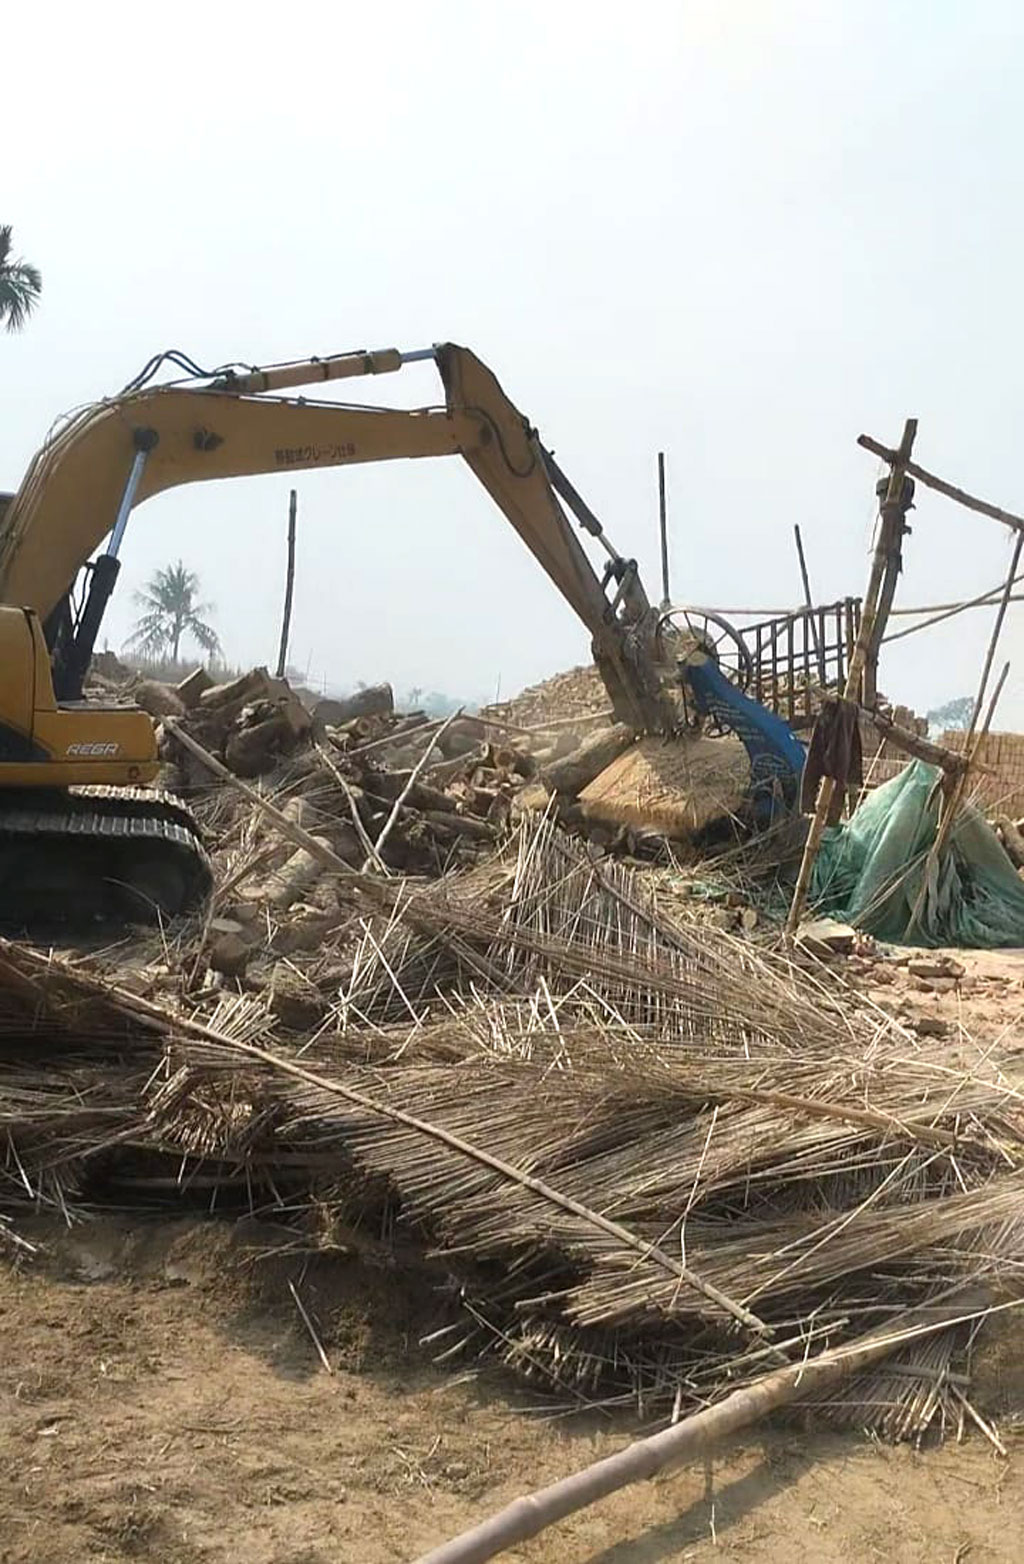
(740, 231)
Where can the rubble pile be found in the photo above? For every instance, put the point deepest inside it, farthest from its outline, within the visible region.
(347, 766)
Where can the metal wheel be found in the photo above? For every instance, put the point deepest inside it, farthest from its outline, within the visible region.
(712, 634)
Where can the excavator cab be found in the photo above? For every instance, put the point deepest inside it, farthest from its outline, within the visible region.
(75, 743)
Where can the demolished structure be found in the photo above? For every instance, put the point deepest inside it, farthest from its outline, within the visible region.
(514, 985)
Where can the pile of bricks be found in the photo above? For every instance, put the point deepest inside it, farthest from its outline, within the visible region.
(1003, 755)
(882, 760)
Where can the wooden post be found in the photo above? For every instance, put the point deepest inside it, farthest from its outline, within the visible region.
(534, 1512)
(666, 601)
(289, 584)
(885, 562)
(809, 602)
(951, 761)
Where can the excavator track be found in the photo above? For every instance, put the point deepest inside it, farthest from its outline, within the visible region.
(98, 855)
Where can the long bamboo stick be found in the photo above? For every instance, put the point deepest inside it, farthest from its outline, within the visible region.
(888, 540)
(951, 804)
(943, 611)
(535, 1512)
(968, 501)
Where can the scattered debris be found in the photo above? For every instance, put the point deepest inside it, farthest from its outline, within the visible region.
(501, 1058)
(826, 937)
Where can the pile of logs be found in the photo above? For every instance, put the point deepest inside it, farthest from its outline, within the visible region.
(388, 791)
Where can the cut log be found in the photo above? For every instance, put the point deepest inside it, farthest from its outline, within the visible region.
(299, 874)
(251, 686)
(229, 955)
(193, 686)
(392, 784)
(297, 1005)
(460, 825)
(462, 738)
(223, 703)
(376, 700)
(159, 700)
(252, 751)
(570, 775)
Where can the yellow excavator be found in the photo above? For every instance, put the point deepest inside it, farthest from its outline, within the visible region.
(78, 826)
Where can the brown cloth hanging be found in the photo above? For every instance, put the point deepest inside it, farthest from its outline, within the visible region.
(835, 751)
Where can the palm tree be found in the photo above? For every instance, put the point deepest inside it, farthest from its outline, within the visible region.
(20, 284)
(171, 611)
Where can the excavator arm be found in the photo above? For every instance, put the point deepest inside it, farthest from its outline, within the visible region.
(82, 485)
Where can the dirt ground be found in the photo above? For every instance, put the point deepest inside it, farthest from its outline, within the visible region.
(161, 1400)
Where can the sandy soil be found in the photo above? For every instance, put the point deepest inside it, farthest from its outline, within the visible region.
(161, 1400)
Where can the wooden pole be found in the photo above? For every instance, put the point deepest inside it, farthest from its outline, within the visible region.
(948, 610)
(884, 564)
(952, 802)
(694, 1436)
(809, 604)
(289, 585)
(969, 501)
(997, 630)
(666, 600)
(924, 749)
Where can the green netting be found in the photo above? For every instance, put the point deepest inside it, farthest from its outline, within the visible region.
(870, 870)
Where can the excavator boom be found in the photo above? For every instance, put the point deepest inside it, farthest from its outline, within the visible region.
(113, 456)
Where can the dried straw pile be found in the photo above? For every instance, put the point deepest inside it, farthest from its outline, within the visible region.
(652, 1161)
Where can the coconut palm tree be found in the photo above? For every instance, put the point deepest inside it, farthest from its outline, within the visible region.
(172, 610)
(20, 284)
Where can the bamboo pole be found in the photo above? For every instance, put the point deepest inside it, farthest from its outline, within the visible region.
(951, 761)
(968, 501)
(997, 630)
(809, 604)
(694, 1436)
(663, 531)
(289, 585)
(431, 725)
(942, 611)
(952, 802)
(885, 556)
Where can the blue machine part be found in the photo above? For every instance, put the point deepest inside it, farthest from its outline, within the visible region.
(776, 754)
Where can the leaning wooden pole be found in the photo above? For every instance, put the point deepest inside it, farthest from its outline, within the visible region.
(809, 604)
(950, 490)
(289, 586)
(972, 741)
(884, 568)
(535, 1512)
